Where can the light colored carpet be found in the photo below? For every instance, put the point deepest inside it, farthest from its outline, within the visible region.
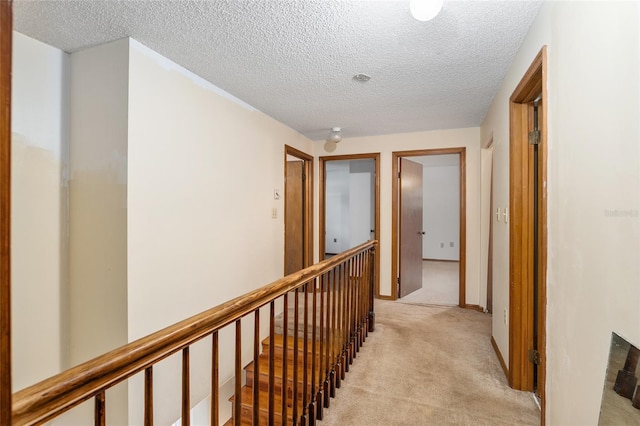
(440, 284)
(428, 366)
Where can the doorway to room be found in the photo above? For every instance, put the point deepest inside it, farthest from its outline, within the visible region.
(428, 238)
(298, 219)
(528, 231)
(349, 211)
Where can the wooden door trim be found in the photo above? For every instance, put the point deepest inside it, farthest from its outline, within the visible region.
(533, 83)
(395, 226)
(5, 210)
(322, 202)
(6, 24)
(308, 202)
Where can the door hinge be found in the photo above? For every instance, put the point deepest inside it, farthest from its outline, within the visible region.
(534, 137)
(534, 356)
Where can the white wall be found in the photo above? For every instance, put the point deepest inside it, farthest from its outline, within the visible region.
(441, 206)
(337, 207)
(593, 183)
(385, 145)
(202, 169)
(40, 108)
(360, 199)
(98, 204)
(350, 203)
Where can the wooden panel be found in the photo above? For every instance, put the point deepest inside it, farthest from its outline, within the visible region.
(521, 294)
(294, 218)
(5, 211)
(308, 201)
(410, 226)
(462, 244)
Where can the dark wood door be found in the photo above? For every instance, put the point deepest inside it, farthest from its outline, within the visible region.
(411, 227)
(294, 217)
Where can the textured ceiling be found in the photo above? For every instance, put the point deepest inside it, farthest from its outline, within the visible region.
(295, 60)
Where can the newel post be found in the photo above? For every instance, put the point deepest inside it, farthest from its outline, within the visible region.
(372, 280)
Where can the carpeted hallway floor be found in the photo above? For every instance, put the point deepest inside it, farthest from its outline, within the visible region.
(428, 365)
(440, 284)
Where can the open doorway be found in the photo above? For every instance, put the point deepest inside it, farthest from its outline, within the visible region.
(528, 231)
(298, 207)
(349, 204)
(425, 259)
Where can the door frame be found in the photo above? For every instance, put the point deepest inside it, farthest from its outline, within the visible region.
(395, 225)
(521, 295)
(6, 25)
(322, 203)
(307, 168)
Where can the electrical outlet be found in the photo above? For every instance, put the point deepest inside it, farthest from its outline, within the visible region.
(451, 244)
(441, 245)
(505, 316)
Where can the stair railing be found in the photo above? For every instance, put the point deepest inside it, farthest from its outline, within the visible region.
(332, 315)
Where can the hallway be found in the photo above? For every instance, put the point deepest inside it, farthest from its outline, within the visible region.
(456, 378)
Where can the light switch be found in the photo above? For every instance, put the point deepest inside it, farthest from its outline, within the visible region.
(274, 213)
(498, 214)
(276, 194)
(506, 215)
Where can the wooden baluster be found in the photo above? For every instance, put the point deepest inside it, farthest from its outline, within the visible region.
(352, 352)
(320, 356)
(256, 367)
(356, 303)
(327, 335)
(343, 320)
(296, 338)
(272, 362)
(334, 333)
(237, 412)
(148, 396)
(372, 315)
(365, 297)
(314, 353)
(285, 381)
(100, 413)
(305, 361)
(361, 296)
(215, 381)
(349, 314)
(354, 285)
(186, 403)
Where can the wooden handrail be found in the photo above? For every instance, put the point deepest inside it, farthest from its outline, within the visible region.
(55, 395)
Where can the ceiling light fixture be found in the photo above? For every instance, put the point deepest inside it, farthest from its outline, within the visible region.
(336, 135)
(362, 78)
(425, 10)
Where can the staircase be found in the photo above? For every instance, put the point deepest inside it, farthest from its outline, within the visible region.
(326, 363)
(327, 311)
